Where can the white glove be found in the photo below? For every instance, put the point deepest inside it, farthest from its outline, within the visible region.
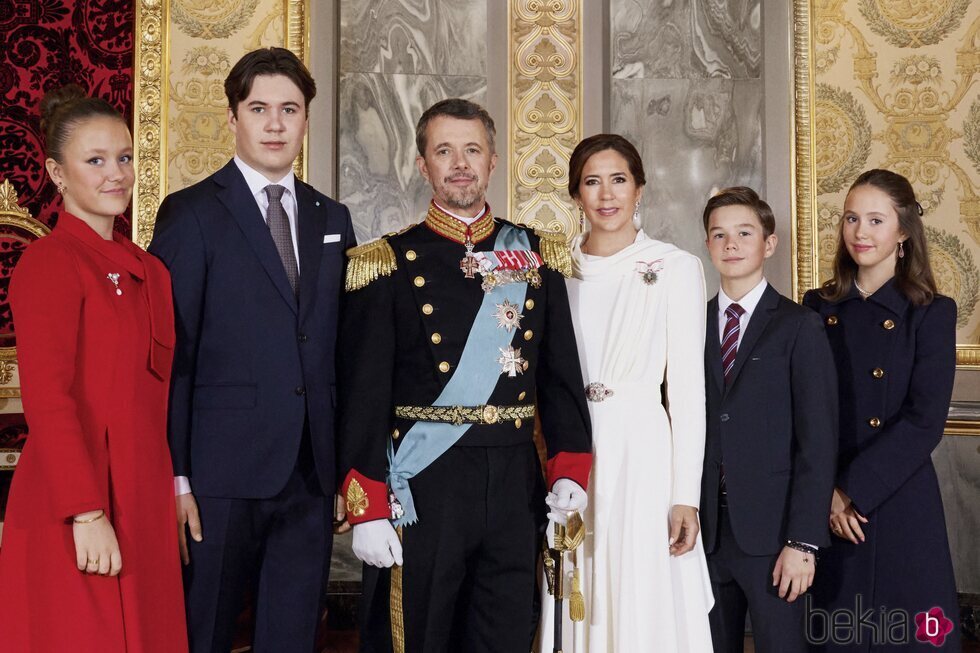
(566, 497)
(377, 543)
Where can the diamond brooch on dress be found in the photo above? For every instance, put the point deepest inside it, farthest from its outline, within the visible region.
(597, 392)
(648, 271)
(114, 278)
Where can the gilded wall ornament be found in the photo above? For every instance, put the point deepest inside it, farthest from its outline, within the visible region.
(207, 19)
(843, 138)
(956, 273)
(913, 23)
(545, 110)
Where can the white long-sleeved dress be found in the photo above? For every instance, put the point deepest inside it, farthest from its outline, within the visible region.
(639, 321)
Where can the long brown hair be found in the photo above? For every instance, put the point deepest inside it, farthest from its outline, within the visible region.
(600, 143)
(913, 274)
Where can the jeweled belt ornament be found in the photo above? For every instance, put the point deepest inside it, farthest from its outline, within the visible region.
(483, 414)
(597, 392)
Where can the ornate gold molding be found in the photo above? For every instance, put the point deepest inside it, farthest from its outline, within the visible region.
(14, 215)
(545, 110)
(804, 246)
(151, 100)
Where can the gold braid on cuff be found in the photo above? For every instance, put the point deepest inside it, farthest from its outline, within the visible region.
(458, 415)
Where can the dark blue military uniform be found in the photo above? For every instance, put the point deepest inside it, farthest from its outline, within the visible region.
(895, 366)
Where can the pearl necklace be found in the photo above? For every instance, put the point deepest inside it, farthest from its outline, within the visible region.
(864, 293)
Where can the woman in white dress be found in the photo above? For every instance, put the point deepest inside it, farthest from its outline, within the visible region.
(639, 311)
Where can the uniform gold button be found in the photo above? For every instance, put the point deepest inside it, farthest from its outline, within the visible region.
(395, 434)
(419, 281)
(877, 372)
(427, 309)
(832, 320)
(529, 304)
(888, 324)
(443, 366)
(436, 338)
(874, 422)
(528, 334)
(410, 255)
(518, 423)
(521, 396)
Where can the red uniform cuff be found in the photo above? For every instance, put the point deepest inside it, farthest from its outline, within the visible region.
(575, 466)
(366, 499)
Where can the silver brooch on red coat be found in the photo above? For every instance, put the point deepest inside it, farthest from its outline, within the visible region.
(114, 278)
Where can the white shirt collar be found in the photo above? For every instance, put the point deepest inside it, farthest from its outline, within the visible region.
(257, 181)
(748, 302)
(459, 217)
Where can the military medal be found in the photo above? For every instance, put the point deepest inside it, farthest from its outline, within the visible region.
(511, 362)
(648, 271)
(508, 316)
(114, 278)
(397, 512)
(469, 265)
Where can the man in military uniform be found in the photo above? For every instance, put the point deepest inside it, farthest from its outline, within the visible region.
(456, 334)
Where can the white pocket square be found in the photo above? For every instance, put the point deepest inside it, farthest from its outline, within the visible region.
(331, 238)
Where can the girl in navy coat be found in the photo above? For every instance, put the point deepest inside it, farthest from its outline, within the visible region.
(893, 338)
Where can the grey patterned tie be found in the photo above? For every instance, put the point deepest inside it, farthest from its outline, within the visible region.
(278, 223)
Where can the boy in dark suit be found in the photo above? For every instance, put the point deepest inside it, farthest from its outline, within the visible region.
(771, 444)
(257, 262)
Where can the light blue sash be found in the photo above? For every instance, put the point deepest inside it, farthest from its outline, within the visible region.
(472, 384)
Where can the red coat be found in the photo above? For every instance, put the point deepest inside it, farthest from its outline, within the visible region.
(95, 372)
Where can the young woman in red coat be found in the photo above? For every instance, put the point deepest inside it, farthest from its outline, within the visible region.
(894, 343)
(89, 558)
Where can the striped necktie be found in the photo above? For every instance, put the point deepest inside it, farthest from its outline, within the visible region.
(282, 236)
(729, 343)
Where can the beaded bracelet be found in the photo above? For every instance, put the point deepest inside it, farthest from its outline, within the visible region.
(802, 548)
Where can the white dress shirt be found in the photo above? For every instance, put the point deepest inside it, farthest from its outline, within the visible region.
(748, 304)
(256, 184)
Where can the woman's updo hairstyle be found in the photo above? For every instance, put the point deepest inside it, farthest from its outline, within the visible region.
(62, 109)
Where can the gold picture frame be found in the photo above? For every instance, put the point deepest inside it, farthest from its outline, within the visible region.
(805, 242)
(151, 96)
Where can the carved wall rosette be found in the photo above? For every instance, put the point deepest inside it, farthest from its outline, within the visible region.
(545, 111)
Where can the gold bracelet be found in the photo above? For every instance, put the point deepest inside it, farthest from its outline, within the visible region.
(89, 520)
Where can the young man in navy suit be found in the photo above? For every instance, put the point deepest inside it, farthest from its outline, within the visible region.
(257, 259)
(771, 444)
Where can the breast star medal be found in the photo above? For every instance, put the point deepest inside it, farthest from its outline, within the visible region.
(114, 278)
(511, 362)
(508, 316)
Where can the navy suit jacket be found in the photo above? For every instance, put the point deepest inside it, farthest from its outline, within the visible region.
(775, 426)
(254, 363)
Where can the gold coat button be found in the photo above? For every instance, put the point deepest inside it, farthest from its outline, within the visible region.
(443, 366)
(427, 309)
(410, 255)
(528, 334)
(419, 281)
(877, 372)
(529, 304)
(436, 338)
(518, 423)
(888, 324)
(521, 396)
(831, 320)
(874, 422)
(395, 434)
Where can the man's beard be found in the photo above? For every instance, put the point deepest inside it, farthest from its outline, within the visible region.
(464, 198)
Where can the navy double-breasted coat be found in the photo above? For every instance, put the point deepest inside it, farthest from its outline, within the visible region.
(895, 367)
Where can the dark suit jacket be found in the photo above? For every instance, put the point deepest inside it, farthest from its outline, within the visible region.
(253, 362)
(775, 427)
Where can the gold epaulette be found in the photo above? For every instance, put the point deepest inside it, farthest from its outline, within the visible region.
(555, 251)
(368, 262)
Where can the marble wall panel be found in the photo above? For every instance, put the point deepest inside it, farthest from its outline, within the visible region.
(694, 135)
(682, 39)
(379, 180)
(414, 36)
(957, 461)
